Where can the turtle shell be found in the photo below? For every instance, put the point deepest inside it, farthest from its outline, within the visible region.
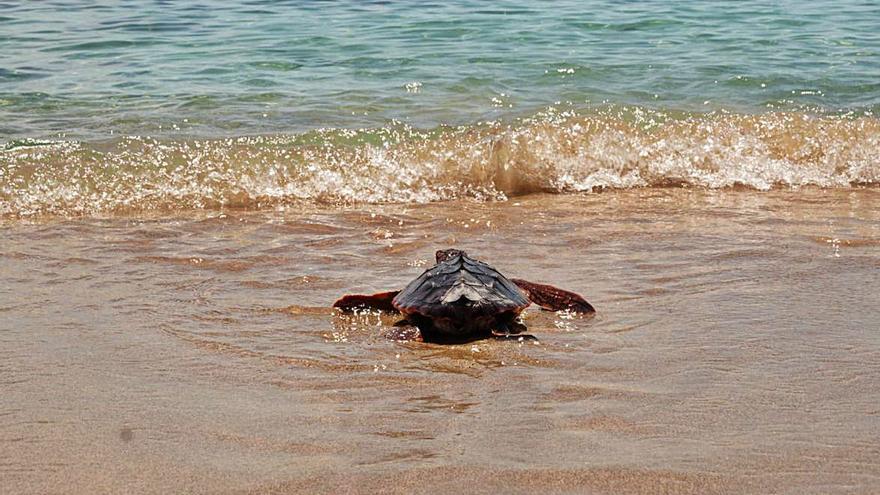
(461, 295)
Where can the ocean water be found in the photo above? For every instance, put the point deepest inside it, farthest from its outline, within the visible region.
(119, 106)
(232, 68)
(186, 187)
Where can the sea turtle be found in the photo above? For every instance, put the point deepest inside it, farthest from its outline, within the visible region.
(461, 298)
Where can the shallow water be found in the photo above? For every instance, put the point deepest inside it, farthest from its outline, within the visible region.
(735, 349)
(216, 67)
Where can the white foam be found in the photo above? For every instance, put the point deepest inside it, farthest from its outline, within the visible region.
(550, 152)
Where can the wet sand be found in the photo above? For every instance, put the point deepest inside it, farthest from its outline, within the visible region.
(735, 350)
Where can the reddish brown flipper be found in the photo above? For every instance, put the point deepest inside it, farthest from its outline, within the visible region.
(552, 298)
(380, 301)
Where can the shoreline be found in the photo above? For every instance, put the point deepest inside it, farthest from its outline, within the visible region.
(733, 344)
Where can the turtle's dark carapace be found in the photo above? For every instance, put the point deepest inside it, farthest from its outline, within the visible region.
(461, 295)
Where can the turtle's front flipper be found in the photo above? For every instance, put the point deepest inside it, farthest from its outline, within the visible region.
(380, 301)
(552, 298)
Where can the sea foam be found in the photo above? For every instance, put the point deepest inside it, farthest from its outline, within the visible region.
(550, 152)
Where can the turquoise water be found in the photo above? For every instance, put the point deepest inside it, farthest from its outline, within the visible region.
(88, 70)
(132, 106)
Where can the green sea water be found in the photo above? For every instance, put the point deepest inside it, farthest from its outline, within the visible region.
(157, 105)
(90, 70)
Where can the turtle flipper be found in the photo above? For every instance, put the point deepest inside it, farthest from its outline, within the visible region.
(405, 331)
(552, 298)
(380, 301)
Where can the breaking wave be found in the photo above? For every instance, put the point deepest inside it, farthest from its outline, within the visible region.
(550, 152)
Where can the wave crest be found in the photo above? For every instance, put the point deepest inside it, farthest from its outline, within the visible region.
(550, 152)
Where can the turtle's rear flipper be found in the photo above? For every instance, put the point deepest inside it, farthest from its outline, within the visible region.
(380, 301)
(509, 329)
(552, 298)
(405, 331)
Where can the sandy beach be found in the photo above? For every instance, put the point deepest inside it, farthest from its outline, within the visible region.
(734, 350)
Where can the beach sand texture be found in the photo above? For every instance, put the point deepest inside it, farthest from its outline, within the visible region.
(734, 351)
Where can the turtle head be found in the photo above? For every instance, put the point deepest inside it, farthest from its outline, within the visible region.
(445, 254)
